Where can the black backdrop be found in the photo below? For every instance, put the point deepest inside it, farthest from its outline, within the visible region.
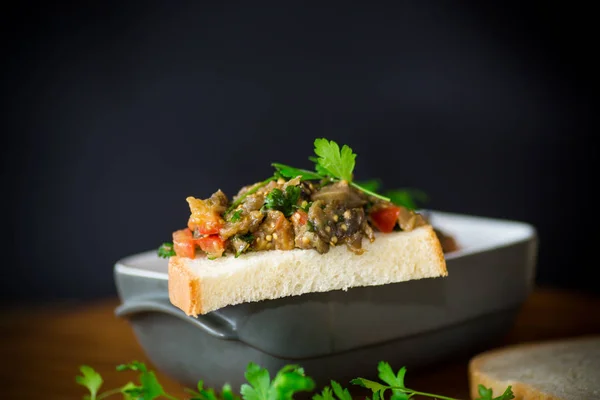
(114, 113)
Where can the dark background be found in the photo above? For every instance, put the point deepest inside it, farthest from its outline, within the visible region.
(115, 112)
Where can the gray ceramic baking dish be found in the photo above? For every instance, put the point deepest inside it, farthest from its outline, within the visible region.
(341, 334)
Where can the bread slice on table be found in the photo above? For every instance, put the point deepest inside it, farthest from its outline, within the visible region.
(567, 369)
(198, 286)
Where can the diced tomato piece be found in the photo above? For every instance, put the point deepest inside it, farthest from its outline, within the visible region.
(385, 219)
(213, 245)
(183, 243)
(204, 218)
(300, 217)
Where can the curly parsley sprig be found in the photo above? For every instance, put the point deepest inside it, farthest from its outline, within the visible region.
(288, 381)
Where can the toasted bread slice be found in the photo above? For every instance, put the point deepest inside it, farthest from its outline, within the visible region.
(567, 369)
(198, 286)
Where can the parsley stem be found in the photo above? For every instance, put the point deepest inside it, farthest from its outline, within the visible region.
(249, 192)
(108, 393)
(415, 392)
(367, 191)
(288, 171)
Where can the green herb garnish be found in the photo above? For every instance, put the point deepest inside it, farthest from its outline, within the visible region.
(373, 185)
(305, 206)
(331, 163)
(338, 163)
(149, 387)
(394, 382)
(310, 226)
(235, 216)
(488, 393)
(288, 381)
(407, 198)
(338, 390)
(90, 379)
(291, 172)
(282, 201)
(248, 238)
(209, 394)
(250, 191)
(166, 250)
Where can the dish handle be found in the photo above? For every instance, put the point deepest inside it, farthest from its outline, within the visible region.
(211, 324)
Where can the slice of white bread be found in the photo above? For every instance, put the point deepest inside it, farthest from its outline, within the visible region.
(198, 286)
(567, 369)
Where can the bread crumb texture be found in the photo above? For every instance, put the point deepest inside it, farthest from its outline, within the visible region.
(568, 369)
(199, 286)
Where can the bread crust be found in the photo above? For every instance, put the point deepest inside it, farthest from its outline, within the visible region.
(436, 245)
(185, 286)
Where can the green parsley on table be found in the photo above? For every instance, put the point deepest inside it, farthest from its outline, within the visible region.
(288, 381)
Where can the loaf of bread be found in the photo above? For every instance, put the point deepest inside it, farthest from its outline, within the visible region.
(198, 286)
(567, 369)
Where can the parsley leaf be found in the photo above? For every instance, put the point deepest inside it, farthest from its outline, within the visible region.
(275, 200)
(324, 172)
(236, 216)
(227, 393)
(326, 394)
(90, 379)
(341, 393)
(486, 394)
(292, 194)
(338, 393)
(339, 163)
(258, 384)
(387, 375)
(332, 163)
(369, 384)
(395, 383)
(166, 250)
(288, 381)
(149, 388)
(282, 201)
(205, 394)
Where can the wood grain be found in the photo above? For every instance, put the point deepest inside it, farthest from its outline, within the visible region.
(41, 347)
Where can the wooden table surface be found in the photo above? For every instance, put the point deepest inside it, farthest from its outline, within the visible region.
(41, 347)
